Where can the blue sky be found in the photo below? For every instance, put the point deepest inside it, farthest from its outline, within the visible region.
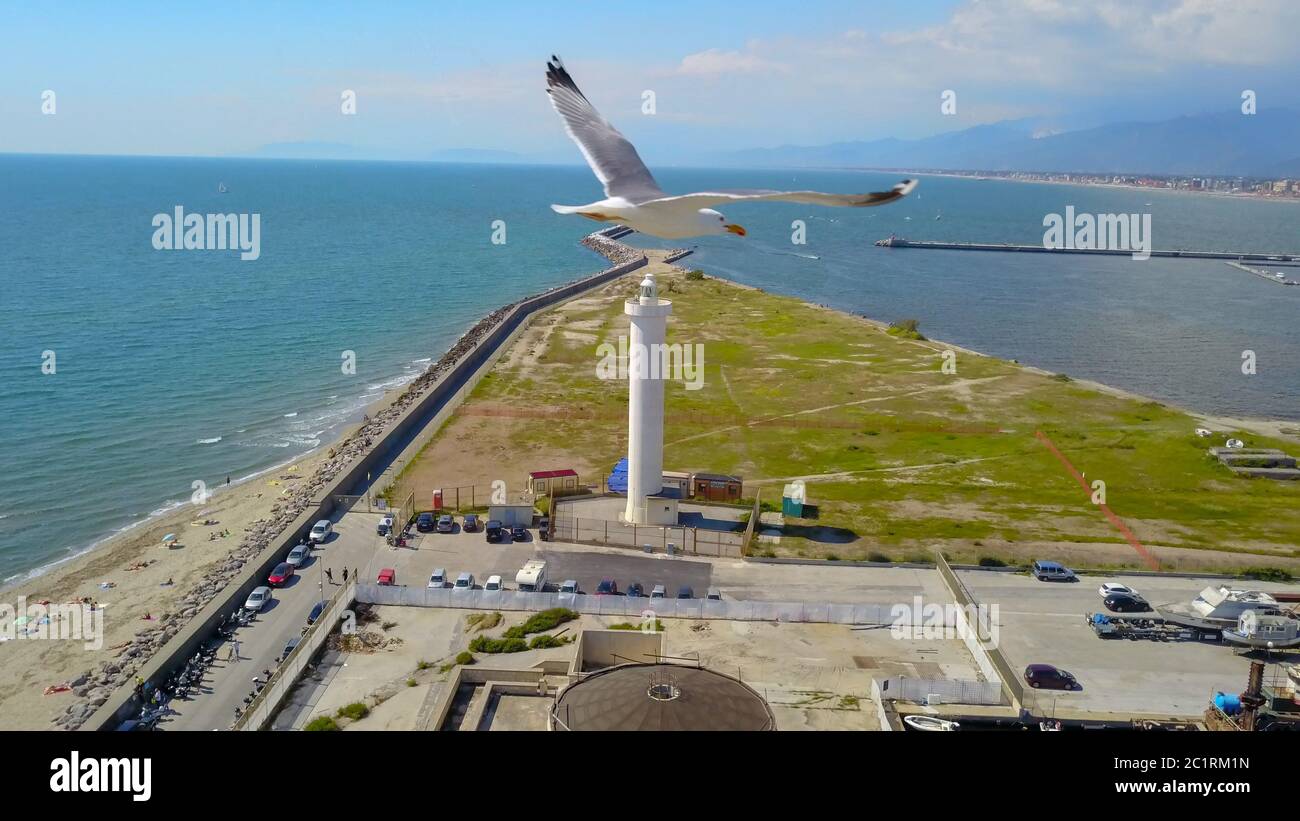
(229, 78)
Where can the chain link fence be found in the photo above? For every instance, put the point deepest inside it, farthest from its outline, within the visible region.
(632, 608)
(690, 541)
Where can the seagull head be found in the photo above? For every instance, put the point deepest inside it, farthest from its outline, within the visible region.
(714, 223)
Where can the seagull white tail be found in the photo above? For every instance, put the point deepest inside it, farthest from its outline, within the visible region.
(566, 209)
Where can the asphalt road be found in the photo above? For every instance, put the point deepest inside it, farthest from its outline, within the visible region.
(227, 683)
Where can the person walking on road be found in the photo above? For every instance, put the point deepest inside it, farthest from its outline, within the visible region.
(329, 574)
(345, 575)
(356, 574)
(234, 650)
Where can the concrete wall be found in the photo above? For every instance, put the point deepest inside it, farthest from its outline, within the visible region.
(433, 408)
(598, 649)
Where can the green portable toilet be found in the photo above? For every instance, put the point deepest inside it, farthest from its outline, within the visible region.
(792, 499)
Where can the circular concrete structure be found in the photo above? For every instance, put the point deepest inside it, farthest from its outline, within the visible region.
(660, 697)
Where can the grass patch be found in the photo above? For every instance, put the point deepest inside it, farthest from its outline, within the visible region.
(546, 641)
(487, 644)
(322, 724)
(623, 625)
(541, 622)
(465, 657)
(906, 329)
(478, 622)
(1266, 574)
(355, 711)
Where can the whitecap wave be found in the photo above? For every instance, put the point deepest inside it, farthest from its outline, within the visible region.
(211, 441)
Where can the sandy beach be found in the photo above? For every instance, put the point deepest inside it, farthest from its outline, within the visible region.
(136, 568)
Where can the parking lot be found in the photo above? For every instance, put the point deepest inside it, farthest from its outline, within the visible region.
(1044, 623)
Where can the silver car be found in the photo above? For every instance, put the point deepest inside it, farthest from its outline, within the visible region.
(321, 531)
(465, 581)
(299, 555)
(257, 599)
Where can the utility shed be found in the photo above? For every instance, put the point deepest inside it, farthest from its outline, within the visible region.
(544, 482)
(792, 499)
(716, 487)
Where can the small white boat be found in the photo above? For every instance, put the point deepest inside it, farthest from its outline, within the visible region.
(930, 724)
(1203, 433)
(1234, 443)
(221, 188)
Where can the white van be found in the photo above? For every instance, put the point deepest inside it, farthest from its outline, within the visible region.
(321, 531)
(531, 578)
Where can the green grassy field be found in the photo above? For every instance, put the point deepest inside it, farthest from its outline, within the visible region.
(900, 454)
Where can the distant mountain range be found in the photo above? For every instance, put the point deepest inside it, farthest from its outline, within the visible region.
(1228, 144)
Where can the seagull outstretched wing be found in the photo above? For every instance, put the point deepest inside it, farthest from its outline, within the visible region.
(704, 199)
(613, 159)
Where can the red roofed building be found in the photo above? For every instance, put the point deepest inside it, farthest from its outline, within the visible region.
(545, 482)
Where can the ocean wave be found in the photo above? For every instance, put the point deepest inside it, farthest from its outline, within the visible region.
(211, 441)
(291, 415)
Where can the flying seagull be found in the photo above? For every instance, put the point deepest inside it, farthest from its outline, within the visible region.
(634, 199)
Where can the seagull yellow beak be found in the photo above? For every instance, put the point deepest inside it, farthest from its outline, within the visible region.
(735, 229)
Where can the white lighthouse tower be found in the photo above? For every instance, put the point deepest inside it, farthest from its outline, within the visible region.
(645, 400)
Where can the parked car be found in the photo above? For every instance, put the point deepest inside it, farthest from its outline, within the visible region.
(387, 577)
(1052, 572)
(288, 648)
(257, 599)
(438, 579)
(569, 588)
(493, 583)
(544, 528)
(470, 525)
(635, 589)
(465, 581)
(714, 594)
(1049, 678)
(518, 533)
(1114, 589)
(385, 525)
(494, 532)
(316, 611)
(1126, 604)
(446, 524)
(282, 573)
(685, 592)
(425, 522)
(299, 555)
(658, 592)
(607, 587)
(320, 531)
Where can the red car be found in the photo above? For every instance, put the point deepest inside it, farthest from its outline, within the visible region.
(387, 576)
(280, 575)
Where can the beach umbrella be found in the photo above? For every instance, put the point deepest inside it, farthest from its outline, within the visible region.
(170, 537)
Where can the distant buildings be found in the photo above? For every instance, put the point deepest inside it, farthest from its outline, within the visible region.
(1245, 186)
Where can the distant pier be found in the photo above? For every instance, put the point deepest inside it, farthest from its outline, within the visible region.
(1263, 274)
(1229, 256)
